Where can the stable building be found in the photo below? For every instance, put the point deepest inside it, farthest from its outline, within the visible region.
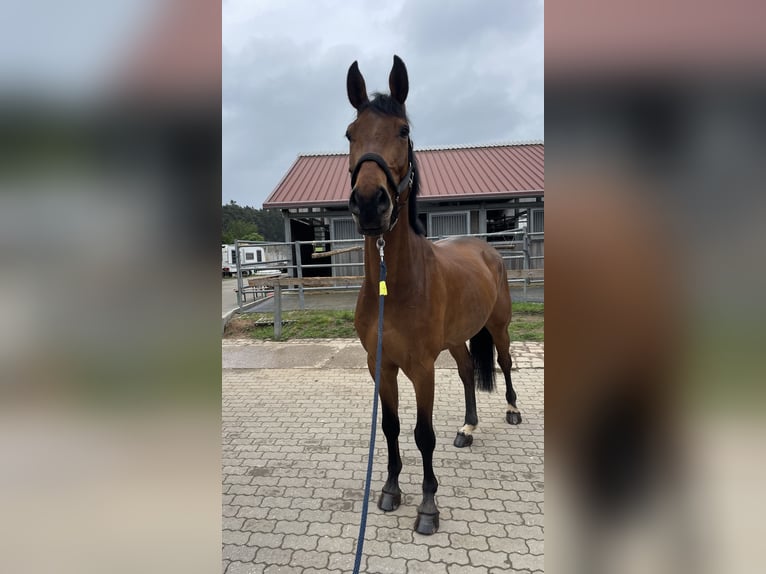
(463, 190)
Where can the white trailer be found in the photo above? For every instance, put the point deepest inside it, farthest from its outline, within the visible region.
(249, 254)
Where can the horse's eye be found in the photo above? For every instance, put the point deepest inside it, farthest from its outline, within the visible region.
(405, 131)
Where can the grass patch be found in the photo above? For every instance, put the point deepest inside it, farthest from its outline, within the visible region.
(527, 327)
(527, 324)
(528, 309)
(295, 325)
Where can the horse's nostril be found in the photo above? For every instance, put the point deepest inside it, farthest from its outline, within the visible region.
(382, 200)
(353, 202)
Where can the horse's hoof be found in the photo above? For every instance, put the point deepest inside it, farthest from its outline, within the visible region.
(388, 501)
(513, 418)
(463, 440)
(427, 524)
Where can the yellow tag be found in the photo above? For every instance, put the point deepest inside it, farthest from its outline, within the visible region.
(383, 290)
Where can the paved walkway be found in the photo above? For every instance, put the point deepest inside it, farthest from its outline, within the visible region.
(295, 436)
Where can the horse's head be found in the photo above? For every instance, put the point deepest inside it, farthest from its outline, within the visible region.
(380, 157)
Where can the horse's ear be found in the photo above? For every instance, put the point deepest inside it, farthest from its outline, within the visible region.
(357, 91)
(398, 82)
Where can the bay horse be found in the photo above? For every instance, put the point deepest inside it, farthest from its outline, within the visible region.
(440, 294)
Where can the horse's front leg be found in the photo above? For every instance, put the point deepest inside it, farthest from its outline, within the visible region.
(427, 521)
(391, 495)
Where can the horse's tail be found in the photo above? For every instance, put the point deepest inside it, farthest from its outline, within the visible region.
(483, 353)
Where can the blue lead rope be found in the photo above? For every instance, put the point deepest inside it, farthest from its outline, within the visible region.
(373, 425)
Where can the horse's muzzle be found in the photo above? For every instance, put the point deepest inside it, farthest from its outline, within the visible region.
(371, 213)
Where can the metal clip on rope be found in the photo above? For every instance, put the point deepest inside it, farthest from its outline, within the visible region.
(380, 244)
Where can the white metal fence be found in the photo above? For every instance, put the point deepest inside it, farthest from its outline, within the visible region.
(340, 260)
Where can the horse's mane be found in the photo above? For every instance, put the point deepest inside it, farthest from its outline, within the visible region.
(388, 106)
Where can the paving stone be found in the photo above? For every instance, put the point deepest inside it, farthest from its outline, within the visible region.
(280, 569)
(507, 544)
(488, 529)
(273, 556)
(244, 568)
(312, 558)
(325, 529)
(378, 565)
(257, 525)
(469, 541)
(252, 512)
(230, 523)
(335, 544)
(533, 519)
(394, 535)
(291, 527)
(438, 539)
(449, 555)
(409, 551)
(344, 562)
(235, 537)
(525, 532)
(300, 542)
(238, 553)
(305, 503)
(266, 539)
(489, 559)
(283, 513)
(527, 561)
(536, 546)
(376, 548)
(460, 569)
(417, 567)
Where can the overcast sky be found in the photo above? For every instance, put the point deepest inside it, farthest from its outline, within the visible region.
(475, 70)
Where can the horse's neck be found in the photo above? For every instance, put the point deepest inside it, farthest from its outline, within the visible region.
(402, 251)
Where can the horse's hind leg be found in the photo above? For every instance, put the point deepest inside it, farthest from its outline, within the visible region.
(465, 370)
(499, 331)
(391, 495)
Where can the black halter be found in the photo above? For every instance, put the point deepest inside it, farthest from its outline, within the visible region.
(398, 189)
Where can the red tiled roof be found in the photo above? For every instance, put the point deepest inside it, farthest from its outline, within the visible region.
(487, 172)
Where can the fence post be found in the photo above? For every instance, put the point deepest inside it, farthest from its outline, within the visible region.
(277, 311)
(525, 239)
(239, 274)
(298, 261)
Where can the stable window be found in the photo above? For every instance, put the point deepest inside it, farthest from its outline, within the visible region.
(449, 223)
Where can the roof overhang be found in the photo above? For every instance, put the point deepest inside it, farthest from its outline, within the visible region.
(468, 197)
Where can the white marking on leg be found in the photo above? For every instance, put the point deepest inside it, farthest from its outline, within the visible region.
(467, 429)
(511, 409)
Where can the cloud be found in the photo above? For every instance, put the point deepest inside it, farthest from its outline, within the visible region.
(476, 76)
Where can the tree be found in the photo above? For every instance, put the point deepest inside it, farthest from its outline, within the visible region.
(240, 229)
(244, 222)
